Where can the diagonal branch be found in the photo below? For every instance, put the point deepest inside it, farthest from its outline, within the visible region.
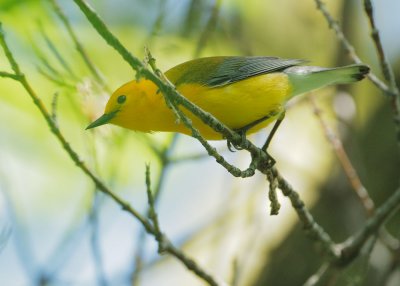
(351, 247)
(385, 66)
(387, 70)
(209, 27)
(79, 47)
(391, 91)
(344, 160)
(10, 75)
(170, 248)
(333, 24)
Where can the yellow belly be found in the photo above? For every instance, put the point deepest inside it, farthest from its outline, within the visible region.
(238, 104)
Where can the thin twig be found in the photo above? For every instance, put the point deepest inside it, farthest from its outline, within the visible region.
(317, 277)
(344, 160)
(163, 156)
(165, 161)
(170, 248)
(209, 28)
(138, 259)
(43, 57)
(273, 185)
(79, 47)
(53, 78)
(351, 248)
(56, 53)
(47, 70)
(54, 107)
(152, 211)
(386, 68)
(314, 230)
(333, 24)
(157, 26)
(10, 75)
(163, 243)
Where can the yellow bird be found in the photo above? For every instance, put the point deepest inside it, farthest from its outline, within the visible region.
(244, 93)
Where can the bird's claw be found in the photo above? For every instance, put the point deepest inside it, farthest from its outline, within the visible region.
(232, 146)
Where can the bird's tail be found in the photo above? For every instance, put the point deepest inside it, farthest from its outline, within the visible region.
(307, 78)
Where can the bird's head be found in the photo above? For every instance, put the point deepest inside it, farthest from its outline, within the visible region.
(126, 104)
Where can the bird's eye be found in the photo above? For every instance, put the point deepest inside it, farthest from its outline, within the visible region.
(121, 99)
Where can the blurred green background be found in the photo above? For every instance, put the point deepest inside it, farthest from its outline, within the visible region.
(56, 230)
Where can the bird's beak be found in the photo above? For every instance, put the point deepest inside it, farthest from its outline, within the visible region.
(104, 119)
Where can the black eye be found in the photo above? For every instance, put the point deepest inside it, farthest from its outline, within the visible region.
(121, 99)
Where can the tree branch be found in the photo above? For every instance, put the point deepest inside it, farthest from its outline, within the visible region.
(344, 160)
(391, 91)
(170, 248)
(351, 248)
(333, 24)
(385, 66)
(10, 75)
(387, 70)
(79, 47)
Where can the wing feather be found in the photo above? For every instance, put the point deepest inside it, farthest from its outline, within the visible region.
(221, 71)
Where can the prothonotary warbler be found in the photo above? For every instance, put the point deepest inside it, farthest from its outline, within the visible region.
(244, 93)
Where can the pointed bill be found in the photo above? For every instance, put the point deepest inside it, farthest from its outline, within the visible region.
(104, 119)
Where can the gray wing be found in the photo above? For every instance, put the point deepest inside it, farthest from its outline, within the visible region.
(233, 69)
(220, 71)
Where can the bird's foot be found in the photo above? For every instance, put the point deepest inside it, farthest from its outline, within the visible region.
(233, 147)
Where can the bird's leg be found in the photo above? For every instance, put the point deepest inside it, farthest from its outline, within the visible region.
(272, 133)
(271, 161)
(243, 130)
